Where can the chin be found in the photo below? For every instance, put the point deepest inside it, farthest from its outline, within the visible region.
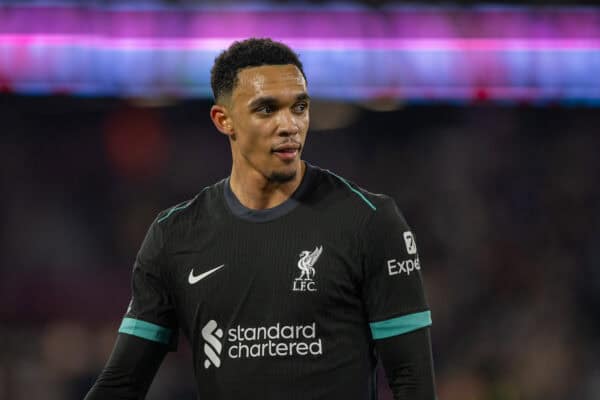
(283, 176)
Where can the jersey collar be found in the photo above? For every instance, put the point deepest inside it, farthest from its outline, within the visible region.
(269, 214)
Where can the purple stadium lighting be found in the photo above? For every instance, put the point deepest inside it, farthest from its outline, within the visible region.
(410, 54)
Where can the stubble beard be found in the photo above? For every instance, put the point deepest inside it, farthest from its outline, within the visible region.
(282, 177)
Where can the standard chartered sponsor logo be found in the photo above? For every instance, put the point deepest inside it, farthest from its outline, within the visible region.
(277, 340)
(396, 267)
(212, 346)
(274, 341)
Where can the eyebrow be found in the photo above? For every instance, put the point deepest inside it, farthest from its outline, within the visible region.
(302, 96)
(273, 100)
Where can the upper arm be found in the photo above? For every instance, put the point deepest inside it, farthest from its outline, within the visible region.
(396, 305)
(148, 330)
(393, 292)
(151, 313)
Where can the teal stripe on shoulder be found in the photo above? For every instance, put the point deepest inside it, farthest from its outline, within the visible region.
(172, 210)
(400, 325)
(357, 192)
(146, 330)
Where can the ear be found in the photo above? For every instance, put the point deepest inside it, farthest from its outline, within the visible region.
(220, 117)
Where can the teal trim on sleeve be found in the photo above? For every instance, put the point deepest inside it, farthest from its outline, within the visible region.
(172, 210)
(146, 330)
(362, 196)
(400, 325)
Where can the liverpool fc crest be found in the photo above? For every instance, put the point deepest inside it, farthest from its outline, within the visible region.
(305, 282)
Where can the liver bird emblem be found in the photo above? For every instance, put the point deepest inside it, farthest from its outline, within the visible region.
(306, 262)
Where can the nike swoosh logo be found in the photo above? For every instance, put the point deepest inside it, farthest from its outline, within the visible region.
(195, 279)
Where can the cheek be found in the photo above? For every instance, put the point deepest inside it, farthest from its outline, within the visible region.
(256, 138)
(304, 123)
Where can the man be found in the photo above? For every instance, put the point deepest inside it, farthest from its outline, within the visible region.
(289, 281)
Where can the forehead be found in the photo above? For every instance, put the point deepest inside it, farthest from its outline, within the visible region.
(269, 80)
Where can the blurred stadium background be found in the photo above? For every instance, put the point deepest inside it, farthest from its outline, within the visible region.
(481, 120)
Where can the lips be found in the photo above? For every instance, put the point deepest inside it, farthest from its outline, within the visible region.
(287, 151)
(286, 148)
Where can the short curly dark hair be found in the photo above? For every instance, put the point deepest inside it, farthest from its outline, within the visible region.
(252, 52)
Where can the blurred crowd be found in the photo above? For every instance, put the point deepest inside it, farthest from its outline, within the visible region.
(504, 202)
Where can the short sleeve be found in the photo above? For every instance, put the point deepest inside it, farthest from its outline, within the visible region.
(151, 312)
(393, 292)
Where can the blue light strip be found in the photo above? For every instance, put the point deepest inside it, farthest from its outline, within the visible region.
(411, 54)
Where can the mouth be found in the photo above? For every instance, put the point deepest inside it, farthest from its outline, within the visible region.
(287, 152)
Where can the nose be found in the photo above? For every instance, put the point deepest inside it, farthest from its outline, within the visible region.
(288, 124)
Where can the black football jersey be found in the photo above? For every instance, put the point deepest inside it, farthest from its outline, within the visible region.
(283, 303)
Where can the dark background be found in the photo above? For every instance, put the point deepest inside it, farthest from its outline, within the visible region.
(504, 202)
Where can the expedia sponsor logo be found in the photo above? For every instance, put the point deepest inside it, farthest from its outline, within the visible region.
(396, 267)
(409, 241)
(262, 341)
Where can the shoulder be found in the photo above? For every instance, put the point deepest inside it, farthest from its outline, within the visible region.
(352, 194)
(188, 212)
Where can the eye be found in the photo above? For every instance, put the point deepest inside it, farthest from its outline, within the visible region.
(266, 109)
(299, 108)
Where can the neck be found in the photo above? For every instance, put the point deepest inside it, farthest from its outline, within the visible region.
(257, 192)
